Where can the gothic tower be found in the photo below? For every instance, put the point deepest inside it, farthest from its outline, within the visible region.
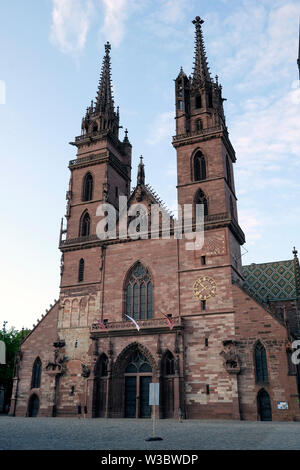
(99, 146)
(100, 173)
(205, 156)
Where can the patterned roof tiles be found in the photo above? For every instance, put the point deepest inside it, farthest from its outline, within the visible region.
(273, 281)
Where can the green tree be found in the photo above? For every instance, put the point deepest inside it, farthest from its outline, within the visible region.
(12, 339)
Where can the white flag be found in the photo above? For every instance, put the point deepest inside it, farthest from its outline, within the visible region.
(133, 320)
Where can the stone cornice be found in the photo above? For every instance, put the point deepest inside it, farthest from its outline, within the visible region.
(208, 180)
(89, 160)
(192, 138)
(205, 134)
(126, 328)
(211, 222)
(95, 159)
(96, 136)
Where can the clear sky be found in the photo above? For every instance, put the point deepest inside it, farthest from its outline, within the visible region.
(50, 62)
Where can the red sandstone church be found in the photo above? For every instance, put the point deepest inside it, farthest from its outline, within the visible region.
(215, 335)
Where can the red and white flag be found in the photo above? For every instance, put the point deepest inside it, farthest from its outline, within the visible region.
(169, 320)
(103, 326)
(133, 321)
(170, 323)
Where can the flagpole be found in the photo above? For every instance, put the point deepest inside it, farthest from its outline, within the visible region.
(152, 402)
(154, 408)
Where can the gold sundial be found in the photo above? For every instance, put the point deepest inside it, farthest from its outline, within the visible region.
(205, 288)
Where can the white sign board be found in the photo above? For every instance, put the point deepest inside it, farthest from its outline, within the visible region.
(154, 394)
(282, 405)
(2, 353)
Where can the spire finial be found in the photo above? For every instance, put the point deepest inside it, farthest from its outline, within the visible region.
(198, 20)
(201, 69)
(295, 252)
(126, 136)
(141, 172)
(107, 48)
(104, 99)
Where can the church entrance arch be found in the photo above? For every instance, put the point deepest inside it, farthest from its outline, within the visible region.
(264, 406)
(138, 376)
(135, 367)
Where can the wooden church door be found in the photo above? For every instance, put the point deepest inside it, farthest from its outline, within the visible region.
(264, 406)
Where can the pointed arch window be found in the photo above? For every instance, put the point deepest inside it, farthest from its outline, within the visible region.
(87, 193)
(81, 270)
(169, 364)
(139, 293)
(198, 101)
(201, 199)
(261, 367)
(179, 88)
(138, 363)
(199, 167)
(36, 373)
(85, 225)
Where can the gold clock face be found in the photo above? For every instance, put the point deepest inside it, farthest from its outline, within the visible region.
(205, 288)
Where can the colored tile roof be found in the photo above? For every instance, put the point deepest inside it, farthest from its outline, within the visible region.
(274, 281)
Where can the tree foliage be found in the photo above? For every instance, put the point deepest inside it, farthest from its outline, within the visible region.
(12, 339)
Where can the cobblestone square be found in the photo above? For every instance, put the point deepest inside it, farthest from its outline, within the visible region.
(114, 434)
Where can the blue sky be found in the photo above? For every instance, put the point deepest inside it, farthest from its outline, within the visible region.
(50, 61)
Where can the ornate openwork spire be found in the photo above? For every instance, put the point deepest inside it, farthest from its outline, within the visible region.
(104, 99)
(100, 116)
(201, 69)
(141, 173)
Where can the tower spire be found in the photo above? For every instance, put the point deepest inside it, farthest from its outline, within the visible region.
(141, 173)
(201, 69)
(101, 116)
(104, 99)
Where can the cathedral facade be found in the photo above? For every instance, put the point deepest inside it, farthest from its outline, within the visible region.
(217, 350)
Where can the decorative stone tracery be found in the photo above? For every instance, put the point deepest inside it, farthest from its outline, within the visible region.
(123, 358)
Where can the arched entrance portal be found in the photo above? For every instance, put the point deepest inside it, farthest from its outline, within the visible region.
(127, 383)
(33, 406)
(100, 387)
(264, 406)
(138, 375)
